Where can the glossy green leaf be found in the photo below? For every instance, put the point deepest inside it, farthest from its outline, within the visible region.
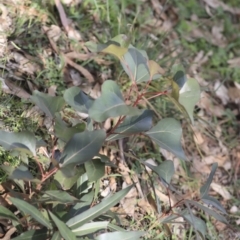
(33, 235)
(63, 131)
(82, 147)
(214, 202)
(135, 64)
(133, 125)
(110, 103)
(205, 188)
(77, 99)
(165, 170)
(90, 228)
(66, 233)
(56, 236)
(31, 210)
(130, 235)
(48, 104)
(60, 196)
(167, 134)
(197, 223)
(21, 141)
(209, 211)
(97, 210)
(95, 169)
(7, 214)
(21, 172)
(66, 182)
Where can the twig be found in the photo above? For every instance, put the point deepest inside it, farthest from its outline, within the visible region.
(9, 234)
(62, 15)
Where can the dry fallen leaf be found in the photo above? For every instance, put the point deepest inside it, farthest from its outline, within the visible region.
(221, 190)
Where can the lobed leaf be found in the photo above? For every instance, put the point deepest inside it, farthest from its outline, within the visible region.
(48, 104)
(167, 134)
(82, 147)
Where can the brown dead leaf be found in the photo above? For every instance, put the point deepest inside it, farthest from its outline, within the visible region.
(221, 91)
(207, 104)
(221, 190)
(146, 207)
(219, 4)
(53, 32)
(129, 205)
(234, 94)
(234, 62)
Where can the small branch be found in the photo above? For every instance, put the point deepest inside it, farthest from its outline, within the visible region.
(40, 167)
(9, 233)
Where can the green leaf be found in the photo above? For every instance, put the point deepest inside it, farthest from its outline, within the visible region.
(165, 170)
(197, 223)
(7, 214)
(66, 182)
(33, 235)
(77, 99)
(214, 202)
(60, 196)
(209, 211)
(167, 134)
(89, 228)
(82, 147)
(205, 188)
(186, 92)
(116, 46)
(110, 104)
(31, 210)
(95, 169)
(64, 132)
(21, 141)
(97, 210)
(66, 233)
(48, 104)
(21, 172)
(135, 64)
(189, 96)
(130, 235)
(133, 125)
(56, 236)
